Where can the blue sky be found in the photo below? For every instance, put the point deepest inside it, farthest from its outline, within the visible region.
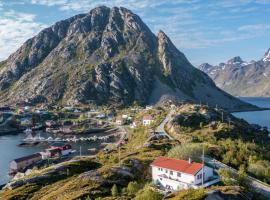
(205, 30)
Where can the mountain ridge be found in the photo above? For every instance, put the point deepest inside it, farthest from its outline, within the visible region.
(106, 56)
(241, 78)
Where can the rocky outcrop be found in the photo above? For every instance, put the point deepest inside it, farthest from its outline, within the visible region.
(241, 78)
(106, 56)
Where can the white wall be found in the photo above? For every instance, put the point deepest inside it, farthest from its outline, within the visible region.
(147, 122)
(66, 152)
(176, 182)
(208, 173)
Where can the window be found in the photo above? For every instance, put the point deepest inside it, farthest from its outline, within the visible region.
(166, 171)
(171, 172)
(199, 176)
(178, 174)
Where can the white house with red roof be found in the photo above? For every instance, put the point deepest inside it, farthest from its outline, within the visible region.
(174, 174)
(147, 120)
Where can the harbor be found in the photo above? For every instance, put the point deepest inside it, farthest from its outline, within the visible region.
(24, 144)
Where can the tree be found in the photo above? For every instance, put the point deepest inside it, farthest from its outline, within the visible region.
(226, 177)
(148, 193)
(242, 178)
(88, 198)
(186, 151)
(132, 188)
(114, 190)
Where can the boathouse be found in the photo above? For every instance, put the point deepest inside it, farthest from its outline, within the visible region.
(23, 162)
(65, 148)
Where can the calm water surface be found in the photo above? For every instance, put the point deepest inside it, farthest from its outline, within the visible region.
(9, 150)
(256, 117)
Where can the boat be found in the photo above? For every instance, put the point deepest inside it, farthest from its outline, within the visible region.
(92, 149)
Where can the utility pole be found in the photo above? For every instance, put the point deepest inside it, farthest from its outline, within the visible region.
(222, 116)
(80, 151)
(203, 168)
(119, 156)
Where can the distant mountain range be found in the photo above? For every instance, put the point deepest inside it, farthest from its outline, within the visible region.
(106, 56)
(241, 78)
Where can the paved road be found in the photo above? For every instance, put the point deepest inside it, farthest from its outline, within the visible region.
(160, 129)
(261, 187)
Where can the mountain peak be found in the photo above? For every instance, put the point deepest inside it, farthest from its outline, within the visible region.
(205, 67)
(235, 60)
(266, 56)
(107, 56)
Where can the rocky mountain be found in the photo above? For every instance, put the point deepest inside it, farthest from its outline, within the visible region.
(106, 56)
(241, 78)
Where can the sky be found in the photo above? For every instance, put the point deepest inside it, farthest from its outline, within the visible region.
(210, 31)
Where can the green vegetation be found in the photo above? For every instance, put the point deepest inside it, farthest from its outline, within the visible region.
(132, 188)
(186, 151)
(148, 193)
(114, 191)
(190, 194)
(233, 142)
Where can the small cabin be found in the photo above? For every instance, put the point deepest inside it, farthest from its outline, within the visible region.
(23, 162)
(147, 120)
(65, 148)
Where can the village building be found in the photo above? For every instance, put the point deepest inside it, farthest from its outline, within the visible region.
(51, 152)
(119, 121)
(147, 120)
(23, 162)
(173, 174)
(148, 107)
(64, 148)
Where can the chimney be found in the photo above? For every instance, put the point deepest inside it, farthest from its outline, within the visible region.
(189, 160)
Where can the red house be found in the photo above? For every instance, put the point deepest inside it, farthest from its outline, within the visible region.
(65, 148)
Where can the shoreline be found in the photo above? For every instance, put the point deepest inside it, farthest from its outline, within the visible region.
(248, 110)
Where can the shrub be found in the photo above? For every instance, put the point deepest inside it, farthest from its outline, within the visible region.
(191, 194)
(148, 193)
(186, 151)
(132, 188)
(114, 190)
(226, 177)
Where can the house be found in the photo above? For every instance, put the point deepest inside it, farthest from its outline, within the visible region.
(63, 147)
(51, 152)
(119, 121)
(148, 107)
(173, 174)
(147, 120)
(23, 162)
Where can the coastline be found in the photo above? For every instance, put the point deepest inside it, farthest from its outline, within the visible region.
(248, 110)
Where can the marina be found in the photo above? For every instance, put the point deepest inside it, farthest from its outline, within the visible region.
(24, 144)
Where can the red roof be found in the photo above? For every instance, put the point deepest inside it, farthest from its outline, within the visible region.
(147, 117)
(177, 165)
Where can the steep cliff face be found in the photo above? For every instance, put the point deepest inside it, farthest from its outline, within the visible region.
(241, 78)
(105, 56)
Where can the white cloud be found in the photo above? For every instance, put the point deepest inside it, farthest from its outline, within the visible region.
(255, 27)
(16, 28)
(49, 2)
